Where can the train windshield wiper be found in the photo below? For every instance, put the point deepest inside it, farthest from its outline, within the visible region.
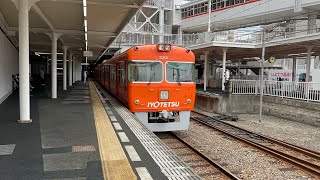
(178, 76)
(153, 74)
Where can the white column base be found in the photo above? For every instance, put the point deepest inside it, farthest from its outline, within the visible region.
(25, 121)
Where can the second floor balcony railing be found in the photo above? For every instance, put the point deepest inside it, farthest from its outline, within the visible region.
(231, 36)
(146, 27)
(157, 3)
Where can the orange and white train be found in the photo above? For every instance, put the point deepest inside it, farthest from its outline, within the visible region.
(155, 82)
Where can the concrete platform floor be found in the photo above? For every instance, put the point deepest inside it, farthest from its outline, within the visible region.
(60, 143)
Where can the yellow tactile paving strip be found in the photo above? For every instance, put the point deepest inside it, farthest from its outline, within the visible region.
(115, 164)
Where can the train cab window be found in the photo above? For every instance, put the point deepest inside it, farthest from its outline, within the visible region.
(180, 72)
(145, 71)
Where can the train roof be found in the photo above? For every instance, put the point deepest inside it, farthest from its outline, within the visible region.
(146, 52)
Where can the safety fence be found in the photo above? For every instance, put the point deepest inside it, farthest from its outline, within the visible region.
(308, 91)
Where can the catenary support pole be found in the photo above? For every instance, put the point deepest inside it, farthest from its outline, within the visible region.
(224, 61)
(209, 16)
(261, 72)
(161, 22)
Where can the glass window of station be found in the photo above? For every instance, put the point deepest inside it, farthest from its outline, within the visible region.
(180, 72)
(145, 71)
(202, 8)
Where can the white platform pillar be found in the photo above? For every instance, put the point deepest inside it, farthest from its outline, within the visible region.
(70, 69)
(224, 61)
(24, 79)
(312, 23)
(309, 50)
(78, 70)
(74, 70)
(65, 51)
(54, 87)
(294, 68)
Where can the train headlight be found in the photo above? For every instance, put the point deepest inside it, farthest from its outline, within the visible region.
(164, 95)
(164, 47)
(161, 47)
(188, 101)
(137, 102)
(168, 47)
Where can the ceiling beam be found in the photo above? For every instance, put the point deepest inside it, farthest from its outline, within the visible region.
(36, 9)
(92, 2)
(67, 44)
(4, 26)
(67, 31)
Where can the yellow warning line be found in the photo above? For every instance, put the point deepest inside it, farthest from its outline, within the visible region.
(115, 164)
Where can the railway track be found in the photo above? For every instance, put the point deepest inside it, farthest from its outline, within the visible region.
(301, 157)
(201, 164)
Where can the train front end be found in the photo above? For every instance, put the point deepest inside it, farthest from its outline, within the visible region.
(161, 88)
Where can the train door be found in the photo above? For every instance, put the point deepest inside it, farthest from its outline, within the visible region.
(107, 77)
(113, 81)
(102, 75)
(121, 81)
(125, 81)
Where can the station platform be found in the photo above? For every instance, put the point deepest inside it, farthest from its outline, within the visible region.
(84, 134)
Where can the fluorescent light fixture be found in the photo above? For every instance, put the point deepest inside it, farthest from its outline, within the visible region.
(38, 53)
(84, 11)
(306, 53)
(293, 54)
(85, 22)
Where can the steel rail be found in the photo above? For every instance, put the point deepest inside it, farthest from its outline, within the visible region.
(310, 167)
(312, 153)
(212, 162)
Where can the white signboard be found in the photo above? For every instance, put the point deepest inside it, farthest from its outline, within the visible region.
(286, 75)
(87, 53)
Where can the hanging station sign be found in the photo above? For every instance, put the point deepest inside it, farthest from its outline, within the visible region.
(87, 53)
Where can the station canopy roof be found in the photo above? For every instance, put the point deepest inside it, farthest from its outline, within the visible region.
(105, 20)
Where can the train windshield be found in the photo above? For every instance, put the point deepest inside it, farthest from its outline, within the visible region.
(145, 71)
(180, 72)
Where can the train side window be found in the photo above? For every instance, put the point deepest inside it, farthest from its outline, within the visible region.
(145, 71)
